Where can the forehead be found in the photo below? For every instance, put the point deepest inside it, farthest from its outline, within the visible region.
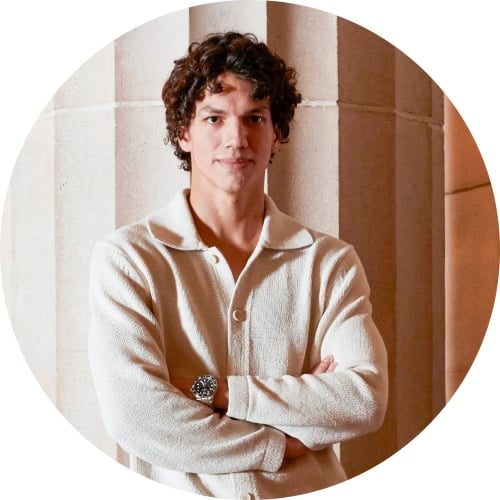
(228, 86)
(228, 82)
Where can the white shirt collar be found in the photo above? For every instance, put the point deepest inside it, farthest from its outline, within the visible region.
(174, 227)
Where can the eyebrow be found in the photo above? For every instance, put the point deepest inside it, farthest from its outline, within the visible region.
(209, 110)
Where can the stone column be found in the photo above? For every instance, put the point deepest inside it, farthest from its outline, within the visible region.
(472, 249)
(246, 17)
(303, 177)
(391, 209)
(28, 252)
(84, 185)
(147, 173)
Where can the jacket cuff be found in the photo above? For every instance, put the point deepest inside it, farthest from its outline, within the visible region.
(275, 451)
(238, 397)
(238, 408)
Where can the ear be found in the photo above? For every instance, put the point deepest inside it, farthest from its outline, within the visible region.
(184, 141)
(278, 136)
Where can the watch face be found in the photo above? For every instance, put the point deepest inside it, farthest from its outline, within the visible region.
(204, 386)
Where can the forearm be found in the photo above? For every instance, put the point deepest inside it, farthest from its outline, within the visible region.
(140, 407)
(321, 408)
(152, 420)
(316, 409)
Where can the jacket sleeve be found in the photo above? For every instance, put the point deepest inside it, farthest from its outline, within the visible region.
(327, 408)
(142, 412)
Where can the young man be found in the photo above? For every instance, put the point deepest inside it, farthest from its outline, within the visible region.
(230, 346)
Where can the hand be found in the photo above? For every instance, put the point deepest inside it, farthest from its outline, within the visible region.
(183, 384)
(294, 448)
(221, 398)
(326, 365)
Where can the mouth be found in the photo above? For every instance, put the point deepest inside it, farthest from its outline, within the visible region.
(235, 163)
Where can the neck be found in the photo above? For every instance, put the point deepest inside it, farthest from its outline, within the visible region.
(228, 217)
(229, 222)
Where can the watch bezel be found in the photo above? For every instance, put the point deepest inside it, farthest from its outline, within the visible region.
(204, 388)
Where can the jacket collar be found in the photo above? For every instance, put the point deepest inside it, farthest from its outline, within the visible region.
(174, 227)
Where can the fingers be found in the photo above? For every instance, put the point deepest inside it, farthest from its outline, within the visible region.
(326, 365)
(332, 367)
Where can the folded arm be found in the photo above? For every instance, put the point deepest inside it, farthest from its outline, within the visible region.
(321, 409)
(293, 448)
(141, 409)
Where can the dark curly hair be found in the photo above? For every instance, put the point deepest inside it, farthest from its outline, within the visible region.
(241, 54)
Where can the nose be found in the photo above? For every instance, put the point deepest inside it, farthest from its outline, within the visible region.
(236, 134)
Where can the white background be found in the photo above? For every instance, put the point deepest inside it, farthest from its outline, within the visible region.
(43, 43)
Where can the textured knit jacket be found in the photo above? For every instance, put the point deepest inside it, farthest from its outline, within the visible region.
(164, 304)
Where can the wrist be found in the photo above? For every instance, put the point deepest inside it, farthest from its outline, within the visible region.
(204, 389)
(221, 399)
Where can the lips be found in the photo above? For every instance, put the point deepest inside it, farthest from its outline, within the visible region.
(235, 163)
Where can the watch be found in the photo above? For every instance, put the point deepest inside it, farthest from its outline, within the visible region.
(204, 389)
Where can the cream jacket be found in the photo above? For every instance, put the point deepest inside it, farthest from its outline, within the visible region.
(164, 304)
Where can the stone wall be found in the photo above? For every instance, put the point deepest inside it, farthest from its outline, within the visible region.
(365, 161)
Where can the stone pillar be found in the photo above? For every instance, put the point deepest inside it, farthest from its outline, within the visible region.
(84, 185)
(28, 252)
(147, 173)
(303, 177)
(390, 131)
(472, 249)
(246, 17)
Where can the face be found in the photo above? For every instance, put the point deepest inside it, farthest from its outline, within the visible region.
(230, 138)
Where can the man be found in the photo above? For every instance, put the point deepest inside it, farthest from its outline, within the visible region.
(230, 346)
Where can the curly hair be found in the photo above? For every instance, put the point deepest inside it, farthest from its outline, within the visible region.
(241, 54)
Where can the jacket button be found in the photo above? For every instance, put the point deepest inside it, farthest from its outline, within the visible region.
(214, 259)
(239, 315)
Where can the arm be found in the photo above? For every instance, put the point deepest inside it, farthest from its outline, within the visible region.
(141, 410)
(320, 409)
(293, 448)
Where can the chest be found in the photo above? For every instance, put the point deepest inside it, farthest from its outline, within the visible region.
(260, 324)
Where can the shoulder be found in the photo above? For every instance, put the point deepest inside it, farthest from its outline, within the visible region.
(326, 246)
(168, 226)
(128, 237)
(131, 246)
(331, 257)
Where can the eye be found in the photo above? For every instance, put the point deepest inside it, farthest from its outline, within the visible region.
(256, 118)
(213, 119)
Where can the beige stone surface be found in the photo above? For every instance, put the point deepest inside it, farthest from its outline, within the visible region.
(307, 39)
(92, 84)
(247, 17)
(77, 400)
(465, 167)
(147, 172)
(303, 178)
(413, 87)
(366, 65)
(28, 254)
(472, 252)
(84, 207)
(391, 209)
(145, 55)
(438, 99)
